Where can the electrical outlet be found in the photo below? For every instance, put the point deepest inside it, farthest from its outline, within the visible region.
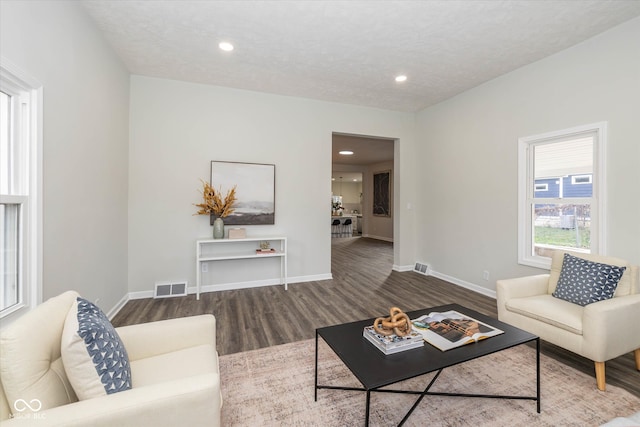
(485, 275)
(204, 267)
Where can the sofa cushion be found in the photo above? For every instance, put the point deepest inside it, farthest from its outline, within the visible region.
(203, 359)
(625, 285)
(94, 357)
(584, 282)
(547, 309)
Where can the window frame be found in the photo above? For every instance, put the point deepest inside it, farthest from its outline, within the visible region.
(27, 191)
(526, 190)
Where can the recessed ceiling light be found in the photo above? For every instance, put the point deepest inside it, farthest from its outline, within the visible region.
(401, 78)
(226, 46)
(345, 152)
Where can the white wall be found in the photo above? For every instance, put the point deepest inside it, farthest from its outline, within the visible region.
(177, 128)
(86, 101)
(467, 154)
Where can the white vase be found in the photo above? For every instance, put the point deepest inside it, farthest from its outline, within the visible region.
(218, 228)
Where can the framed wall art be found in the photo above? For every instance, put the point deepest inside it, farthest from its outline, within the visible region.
(255, 191)
(382, 193)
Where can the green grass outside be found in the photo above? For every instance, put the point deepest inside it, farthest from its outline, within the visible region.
(560, 237)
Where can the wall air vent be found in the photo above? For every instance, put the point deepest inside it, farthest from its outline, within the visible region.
(421, 268)
(168, 290)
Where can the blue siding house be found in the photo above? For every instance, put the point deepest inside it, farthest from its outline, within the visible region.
(567, 186)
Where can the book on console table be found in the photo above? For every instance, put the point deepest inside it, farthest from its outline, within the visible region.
(265, 251)
(451, 329)
(390, 344)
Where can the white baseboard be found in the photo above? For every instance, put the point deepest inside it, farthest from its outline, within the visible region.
(312, 278)
(464, 284)
(116, 308)
(450, 279)
(237, 285)
(221, 287)
(259, 283)
(402, 268)
(371, 236)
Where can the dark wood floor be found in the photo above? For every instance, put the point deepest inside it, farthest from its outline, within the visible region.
(363, 286)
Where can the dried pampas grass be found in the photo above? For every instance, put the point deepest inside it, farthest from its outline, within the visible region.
(213, 202)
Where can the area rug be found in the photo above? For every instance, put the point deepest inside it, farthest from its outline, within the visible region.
(274, 387)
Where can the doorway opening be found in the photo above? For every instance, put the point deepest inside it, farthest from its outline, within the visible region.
(362, 177)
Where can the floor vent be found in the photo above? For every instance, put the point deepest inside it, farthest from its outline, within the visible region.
(421, 268)
(168, 290)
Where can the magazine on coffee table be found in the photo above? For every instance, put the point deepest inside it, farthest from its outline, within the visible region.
(451, 329)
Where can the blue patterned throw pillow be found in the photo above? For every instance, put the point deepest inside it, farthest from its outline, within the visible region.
(584, 282)
(93, 355)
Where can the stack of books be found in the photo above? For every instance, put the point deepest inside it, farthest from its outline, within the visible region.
(390, 344)
(265, 251)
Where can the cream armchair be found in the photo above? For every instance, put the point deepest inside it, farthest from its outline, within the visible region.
(599, 331)
(174, 371)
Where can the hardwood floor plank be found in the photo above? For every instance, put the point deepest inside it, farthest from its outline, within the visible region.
(363, 286)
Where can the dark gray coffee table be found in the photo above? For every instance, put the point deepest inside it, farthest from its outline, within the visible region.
(375, 370)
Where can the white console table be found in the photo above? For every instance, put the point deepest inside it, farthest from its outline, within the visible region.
(245, 248)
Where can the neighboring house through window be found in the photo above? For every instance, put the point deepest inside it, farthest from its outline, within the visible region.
(20, 191)
(561, 193)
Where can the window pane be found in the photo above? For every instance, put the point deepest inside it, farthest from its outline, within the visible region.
(20, 210)
(561, 188)
(5, 148)
(565, 226)
(565, 167)
(9, 247)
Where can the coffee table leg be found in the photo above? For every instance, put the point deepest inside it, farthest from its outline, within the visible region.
(538, 373)
(366, 417)
(315, 388)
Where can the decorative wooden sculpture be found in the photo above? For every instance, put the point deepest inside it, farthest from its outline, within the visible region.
(397, 323)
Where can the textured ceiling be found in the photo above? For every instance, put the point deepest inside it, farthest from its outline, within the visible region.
(348, 51)
(366, 151)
